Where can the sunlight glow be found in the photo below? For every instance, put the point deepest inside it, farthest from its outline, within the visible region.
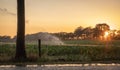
(106, 34)
(116, 33)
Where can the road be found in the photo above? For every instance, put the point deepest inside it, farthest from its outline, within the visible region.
(64, 67)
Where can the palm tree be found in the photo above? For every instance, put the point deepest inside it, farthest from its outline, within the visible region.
(20, 42)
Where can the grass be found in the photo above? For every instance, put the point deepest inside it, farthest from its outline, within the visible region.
(64, 53)
(93, 42)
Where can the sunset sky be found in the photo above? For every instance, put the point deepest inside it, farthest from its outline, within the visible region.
(59, 15)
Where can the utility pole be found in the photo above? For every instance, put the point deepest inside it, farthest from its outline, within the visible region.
(20, 42)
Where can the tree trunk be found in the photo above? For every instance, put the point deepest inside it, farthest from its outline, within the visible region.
(20, 42)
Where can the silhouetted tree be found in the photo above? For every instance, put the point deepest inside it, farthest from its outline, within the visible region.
(78, 32)
(88, 31)
(100, 29)
(5, 39)
(116, 35)
(20, 43)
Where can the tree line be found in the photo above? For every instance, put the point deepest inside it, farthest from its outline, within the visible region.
(80, 33)
(98, 32)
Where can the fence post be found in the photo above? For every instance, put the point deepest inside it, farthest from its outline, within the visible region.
(39, 47)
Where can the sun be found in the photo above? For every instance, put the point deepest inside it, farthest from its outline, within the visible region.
(106, 34)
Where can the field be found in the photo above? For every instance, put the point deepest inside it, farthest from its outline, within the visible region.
(76, 51)
(93, 42)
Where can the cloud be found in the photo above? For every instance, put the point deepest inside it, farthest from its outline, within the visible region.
(5, 11)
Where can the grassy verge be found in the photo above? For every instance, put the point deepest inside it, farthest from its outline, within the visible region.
(61, 54)
(93, 42)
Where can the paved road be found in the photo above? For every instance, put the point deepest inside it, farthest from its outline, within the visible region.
(64, 67)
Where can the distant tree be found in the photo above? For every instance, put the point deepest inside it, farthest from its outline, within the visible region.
(20, 43)
(78, 31)
(61, 35)
(118, 31)
(117, 37)
(100, 29)
(64, 35)
(5, 39)
(115, 34)
(70, 35)
(88, 31)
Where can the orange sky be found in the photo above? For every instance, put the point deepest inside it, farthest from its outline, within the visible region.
(59, 15)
